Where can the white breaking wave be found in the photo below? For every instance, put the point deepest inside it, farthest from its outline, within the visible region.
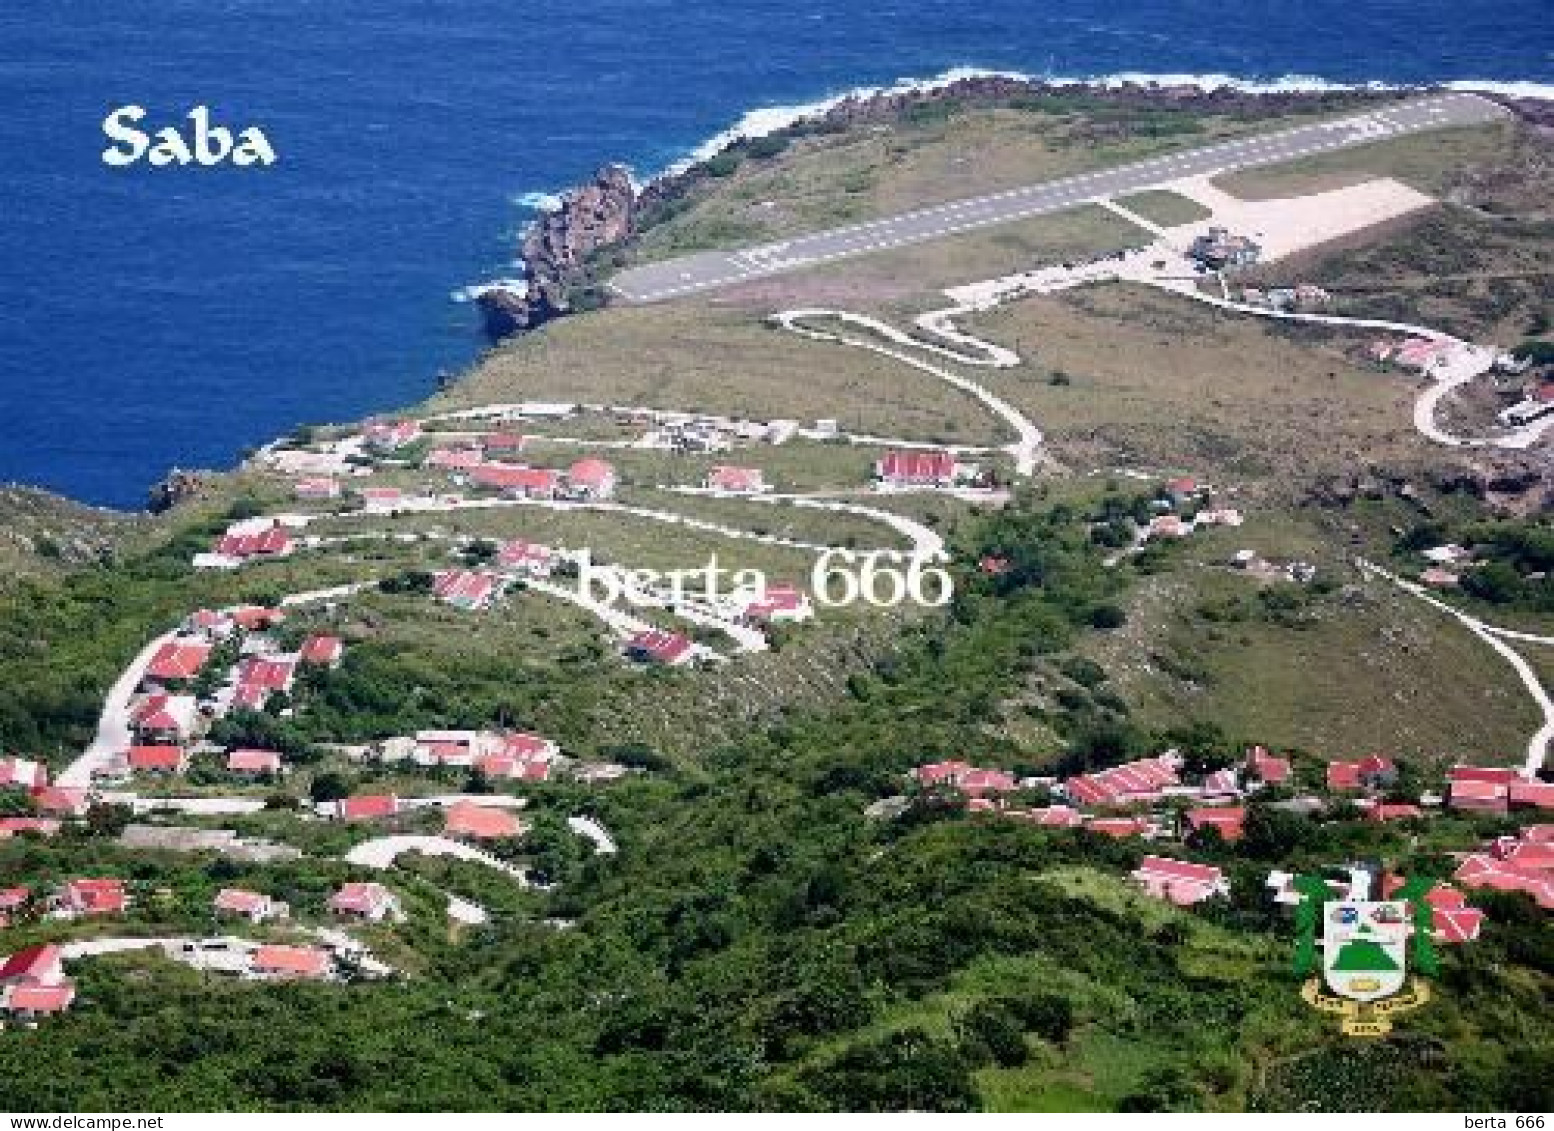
(475, 290)
(539, 201)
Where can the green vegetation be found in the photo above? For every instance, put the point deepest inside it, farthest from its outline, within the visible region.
(1168, 209)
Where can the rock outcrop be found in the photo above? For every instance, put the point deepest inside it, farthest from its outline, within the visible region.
(559, 254)
(177, 486)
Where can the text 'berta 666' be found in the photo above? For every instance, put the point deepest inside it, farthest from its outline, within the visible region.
(199, 143)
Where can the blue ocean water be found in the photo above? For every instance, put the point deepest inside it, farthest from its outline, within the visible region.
(151, 318)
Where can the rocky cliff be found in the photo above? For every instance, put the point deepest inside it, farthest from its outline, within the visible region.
(559, 253)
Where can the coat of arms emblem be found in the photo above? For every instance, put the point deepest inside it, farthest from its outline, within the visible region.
(1367, 946)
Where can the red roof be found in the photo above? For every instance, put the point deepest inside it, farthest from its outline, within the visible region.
(1502, 774)
(1118, 827)
(251, 618)
(1183, 485)
(272, 674)
(1530, 854)
(481, 822)
(12, 898)
(178, 659)
(40, 999)
(156, 758)
(1538, 834)
(10, 826)
(1388, 811)
(96, 897)
(1268, 767)
(32, 964)
(735, 478)
(1376, 764)
(594, 474)
(510, 477)
(526, 745)
(1228, 821)
(520, 553)
(504, 442)
(241, 901)
(321, 650)
(59, 799)
(253, 761)
(1472, 791)
(1132, 781)
(917, 466)
(461, 459)
(1343, 775)
(1538, 793)
(298, 961)
(1481, 870)
(362, 898)
(368, 806)
(272, 540)
(660, 647)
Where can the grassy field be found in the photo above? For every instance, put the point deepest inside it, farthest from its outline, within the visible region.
(1362, 667)
(1427, 161)
(1130, 377)
(1165, 208)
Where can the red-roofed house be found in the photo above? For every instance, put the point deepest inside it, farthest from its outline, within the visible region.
(658, 647)
(23, 773)
(29, 1001)
(316, 489)
(37, 965)
(91, 897)
(325, 651)
(268, 672)
(966, 779)
(737, 480)
(389, 435)
(371, 901)
(1503, 775)
(254, 762)
(1484, 871)
(289, 962)
(779, 603)
(381, 500)
(1143, 780)
(1531, 794)
(591, 479)
(1479, 796)
(1180, 881)
(166, 718)
(481, 822)
(466, 589)
(527, 558)
(177, 660)
(1452, 921)
(917, 469)
(273, 541)
(516, 481)
(60, 801)
(1372, 772)
(37, 826)
(1420, 353)
(454, 459)
(157, 759)
(1054, 817)
(256, 618)
(1392, 811)
(1230, 821)
(499, 445)
(1266, 767)
(250, 905)
(367, 807)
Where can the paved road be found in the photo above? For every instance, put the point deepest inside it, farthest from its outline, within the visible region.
(709, 270)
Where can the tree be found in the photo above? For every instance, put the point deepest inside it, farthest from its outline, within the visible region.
(329, 786)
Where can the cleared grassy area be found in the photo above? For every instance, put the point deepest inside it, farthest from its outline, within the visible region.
(698, 357)
(1362, 667)
(1165, 208)
(1126, 376)
(1426, 161)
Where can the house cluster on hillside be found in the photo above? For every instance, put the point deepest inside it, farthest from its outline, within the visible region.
(219, 661)
(499, 755)
(33, 983)
(487, 467)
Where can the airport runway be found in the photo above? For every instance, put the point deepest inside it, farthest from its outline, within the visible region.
(706, 271)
